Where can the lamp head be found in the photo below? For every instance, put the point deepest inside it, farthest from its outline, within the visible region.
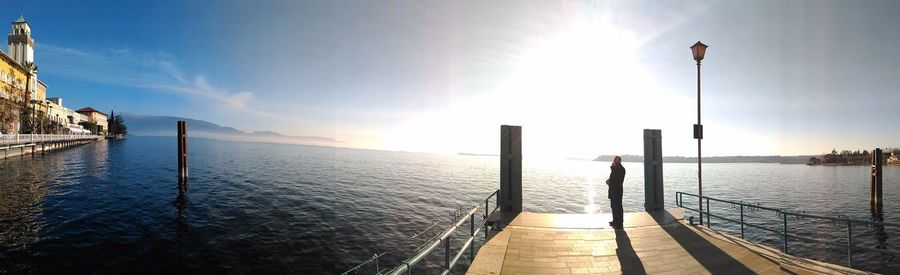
(699, 50)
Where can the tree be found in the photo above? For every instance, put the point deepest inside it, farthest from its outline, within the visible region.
(117, 125)
(30, 70)
(26, 115)
(89, 126)
(9, 114)
(111, 123)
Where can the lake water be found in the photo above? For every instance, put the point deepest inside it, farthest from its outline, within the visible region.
(115, 207)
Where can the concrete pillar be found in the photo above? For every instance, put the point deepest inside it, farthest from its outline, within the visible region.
(653, 170)
(510, 198)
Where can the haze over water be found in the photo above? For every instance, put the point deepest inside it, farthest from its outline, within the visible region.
(113, 206)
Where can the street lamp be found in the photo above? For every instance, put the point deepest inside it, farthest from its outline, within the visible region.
(699, 50)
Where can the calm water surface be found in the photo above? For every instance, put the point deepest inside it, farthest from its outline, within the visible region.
(115, 207)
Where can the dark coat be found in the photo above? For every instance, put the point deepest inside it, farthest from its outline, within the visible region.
(616, 178)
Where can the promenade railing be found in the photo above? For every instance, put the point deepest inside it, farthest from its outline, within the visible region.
(25, 139)
(445, 238)
(786, 217)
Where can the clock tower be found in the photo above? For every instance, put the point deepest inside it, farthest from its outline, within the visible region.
(21, 44)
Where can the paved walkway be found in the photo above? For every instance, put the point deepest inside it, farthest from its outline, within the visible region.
(657, 243)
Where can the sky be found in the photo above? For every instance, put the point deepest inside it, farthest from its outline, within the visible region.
(581, 78)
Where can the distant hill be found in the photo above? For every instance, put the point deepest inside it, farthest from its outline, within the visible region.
(145, 125)
(478, 154)
(727, 159)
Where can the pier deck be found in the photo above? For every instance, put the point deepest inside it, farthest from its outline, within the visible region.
(650, 243)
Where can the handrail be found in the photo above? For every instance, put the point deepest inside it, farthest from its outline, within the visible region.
(374, 258)
(406, 265)
(28, 139)
(784, 214)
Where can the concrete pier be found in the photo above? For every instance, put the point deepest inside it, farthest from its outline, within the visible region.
(656, 242)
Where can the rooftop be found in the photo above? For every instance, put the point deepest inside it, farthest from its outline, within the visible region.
(89, 110)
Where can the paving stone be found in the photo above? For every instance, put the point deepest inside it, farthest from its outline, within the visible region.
(653, 243)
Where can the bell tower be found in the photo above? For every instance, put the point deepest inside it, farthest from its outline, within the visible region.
(21, 44)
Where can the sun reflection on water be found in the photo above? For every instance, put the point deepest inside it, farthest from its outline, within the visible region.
(590, 179)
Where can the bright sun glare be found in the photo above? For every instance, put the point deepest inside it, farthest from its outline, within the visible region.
(577, 93)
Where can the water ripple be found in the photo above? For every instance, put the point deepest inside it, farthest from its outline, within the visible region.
(113, 207)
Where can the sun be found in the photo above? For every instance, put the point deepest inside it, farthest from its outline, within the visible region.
(567, 90)
(577, 91)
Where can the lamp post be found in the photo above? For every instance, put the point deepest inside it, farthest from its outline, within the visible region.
(699, 50)
(50, 117)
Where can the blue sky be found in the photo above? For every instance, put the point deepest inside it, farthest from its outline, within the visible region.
(582, 78)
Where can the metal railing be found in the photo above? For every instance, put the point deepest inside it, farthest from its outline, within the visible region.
(374, 260)
(20, 139)
(787, 216)
(446, 237)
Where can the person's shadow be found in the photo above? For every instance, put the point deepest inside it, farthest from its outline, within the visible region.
(628, 259)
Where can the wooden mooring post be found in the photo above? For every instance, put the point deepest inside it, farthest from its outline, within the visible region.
(182, 151)
(877, 161)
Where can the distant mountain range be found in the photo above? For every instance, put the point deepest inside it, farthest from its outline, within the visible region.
(146, 125)
(727, 159)
(478, 154)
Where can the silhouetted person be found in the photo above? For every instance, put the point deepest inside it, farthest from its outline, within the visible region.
(616, 178)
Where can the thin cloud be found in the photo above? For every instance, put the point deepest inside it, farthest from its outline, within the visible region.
(154, 71)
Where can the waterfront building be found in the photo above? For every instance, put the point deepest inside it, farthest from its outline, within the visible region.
(21, 44)
(96, 117)
(74, 120)
(75, 117)
(21, 49)
(67, 119)
(39, 94)
(12, 93)
(18, 74)
(12, 79)
(56, 112)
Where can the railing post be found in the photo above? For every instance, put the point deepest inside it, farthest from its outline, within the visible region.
(707, 213)
(784, 235)
(486, 215)
(742, 221)
(447, 253)
(700, 205)
(849, 243)
(472, 235)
